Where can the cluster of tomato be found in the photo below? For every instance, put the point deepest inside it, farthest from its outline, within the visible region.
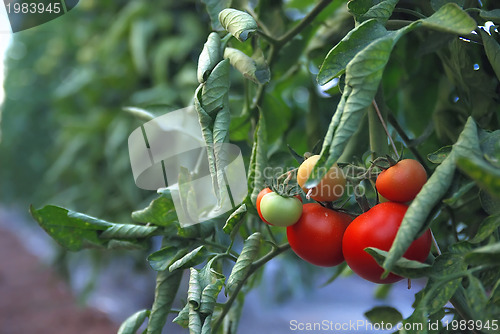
(327, 237)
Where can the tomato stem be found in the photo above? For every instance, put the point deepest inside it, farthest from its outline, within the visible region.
(377, 110)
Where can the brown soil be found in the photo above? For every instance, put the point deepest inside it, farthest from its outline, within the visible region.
(34, 300)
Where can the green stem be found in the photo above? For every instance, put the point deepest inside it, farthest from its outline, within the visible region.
(303, 23)
(254, 267)
(267, 37)
(410, 12)
(378, 132)
(407, 141)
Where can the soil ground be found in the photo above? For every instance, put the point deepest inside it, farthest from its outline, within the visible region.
(33, 299)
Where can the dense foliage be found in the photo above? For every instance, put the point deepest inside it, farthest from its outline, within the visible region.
(358, 83)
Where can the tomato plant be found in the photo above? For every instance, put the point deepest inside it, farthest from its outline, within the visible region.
(280, 211)
(378, 228)
(401, 182)
(351, 81)
(330, 188)
(317, 236)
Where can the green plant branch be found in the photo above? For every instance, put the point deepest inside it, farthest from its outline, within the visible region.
(379, 133)
(267, 37)
(410, 12)
(303, 23)
(254, 267)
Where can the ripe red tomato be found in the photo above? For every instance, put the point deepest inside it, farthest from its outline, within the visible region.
(401, 182)
(259, 199)
(317, 236)
(377, 228)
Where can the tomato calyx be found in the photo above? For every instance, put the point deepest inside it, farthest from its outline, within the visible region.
(284, 185)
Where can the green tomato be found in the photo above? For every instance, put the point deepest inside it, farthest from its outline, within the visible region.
(279, 210)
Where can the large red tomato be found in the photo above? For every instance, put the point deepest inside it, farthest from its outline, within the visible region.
(317, 236)
(377, 228)
(402, 182)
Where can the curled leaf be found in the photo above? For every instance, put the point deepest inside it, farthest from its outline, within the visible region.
(209, 56)
(132, 323)
(237, 23)
(196, 256)
(255, 70)
(235, 218)
(194, 290)
(243, 264)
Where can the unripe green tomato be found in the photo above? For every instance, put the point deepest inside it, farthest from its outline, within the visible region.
(279, 210)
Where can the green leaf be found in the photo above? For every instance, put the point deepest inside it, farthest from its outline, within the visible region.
(386, 314)
(359, 7)
(476, 297)
(231, 320)
(209, 295)
(243, 264)
(209, 57)
(495, 295)
(194, 291)
(214, 93)
(402, 267)
(492, 49)
(140, 33)
(191, 259)
(450, 18)
(212, 105)
(167, 284)
(194, 320)
(490, 146)
(255, 70)
(341, 54)
(132, 324)
(455, 199)
(75, 231)
(258, 160)
(214, 7)
(414, 221)
(440, 288)
(485, 175)
(235, 218)
(489, 203)
(438, 156)
(163, 258)
(207, 325)
(381, 11)
(338, 271)
(128, 231)
(487, 228)
(491, 15)
(488, 255)
(363, 75)
(161, 211)
(237, 23)
(182, 319)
